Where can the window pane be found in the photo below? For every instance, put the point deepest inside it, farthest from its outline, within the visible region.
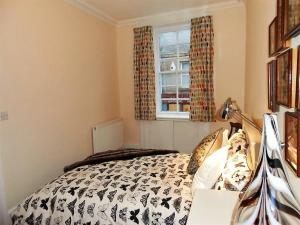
(173, 71)
(184, 50)
(166, 66)
(167, 39)
(169, 51)
(185, 80)
(185, 66)
(169, 105)
(184, 105)
(168, 92)
(164, 106)
(169, 79)
(184, 36)
(183, 92)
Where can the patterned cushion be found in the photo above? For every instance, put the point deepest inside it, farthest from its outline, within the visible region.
(236, 174)
(234, 127)
(207, 146)
(239, 141)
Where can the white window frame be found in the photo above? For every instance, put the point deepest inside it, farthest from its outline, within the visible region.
(159, 113)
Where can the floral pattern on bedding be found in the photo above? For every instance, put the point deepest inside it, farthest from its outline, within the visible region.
(151, 190)
(236, 174)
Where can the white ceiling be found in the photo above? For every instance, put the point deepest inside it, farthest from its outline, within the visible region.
(119, 10)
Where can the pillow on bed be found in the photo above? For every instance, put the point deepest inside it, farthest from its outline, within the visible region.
(207, 146)
(211, 169)
(236, 174)
(239, 141)
(234, 127)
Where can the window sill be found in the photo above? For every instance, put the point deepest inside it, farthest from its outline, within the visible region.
(175, 117)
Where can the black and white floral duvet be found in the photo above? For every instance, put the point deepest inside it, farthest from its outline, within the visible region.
(151, 190)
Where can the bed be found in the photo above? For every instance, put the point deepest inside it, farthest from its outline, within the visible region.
(145, 190)
(149, 187)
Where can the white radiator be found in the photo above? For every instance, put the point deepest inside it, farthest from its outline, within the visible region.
(108, 136)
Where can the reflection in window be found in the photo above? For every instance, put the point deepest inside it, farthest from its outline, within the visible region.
(173, 84)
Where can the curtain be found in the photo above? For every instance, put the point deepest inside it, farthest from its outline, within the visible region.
(144, 74)
(201, 70)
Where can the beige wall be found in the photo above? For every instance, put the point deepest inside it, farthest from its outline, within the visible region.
(126, 84)
(260, 13)
(4, 216)
(259, 16)
(59, 76)
(57, 79)
(229, 25)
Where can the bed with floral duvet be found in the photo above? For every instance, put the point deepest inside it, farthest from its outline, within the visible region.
(148, 190)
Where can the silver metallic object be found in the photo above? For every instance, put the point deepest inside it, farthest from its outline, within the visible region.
(231, 109)
(269, 198)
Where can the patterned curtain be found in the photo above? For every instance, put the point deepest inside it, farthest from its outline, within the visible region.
(201, 70)
(144, 74)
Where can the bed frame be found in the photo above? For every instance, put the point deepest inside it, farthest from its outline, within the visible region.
(254, 140)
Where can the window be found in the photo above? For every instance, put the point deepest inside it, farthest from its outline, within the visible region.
(172, 47)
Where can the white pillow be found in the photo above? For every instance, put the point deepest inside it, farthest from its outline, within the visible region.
(211, 169)
(225, 137)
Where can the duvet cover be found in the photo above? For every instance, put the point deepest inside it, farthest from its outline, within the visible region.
(149, 190)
